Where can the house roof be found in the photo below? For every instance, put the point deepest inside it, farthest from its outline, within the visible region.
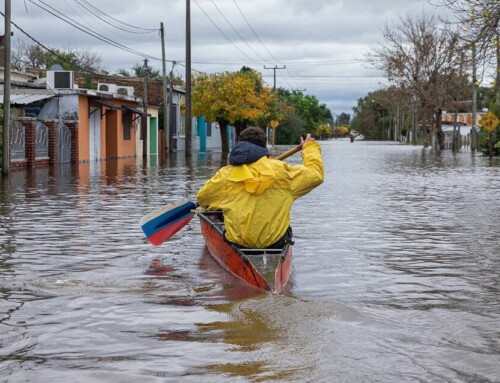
(26, 97)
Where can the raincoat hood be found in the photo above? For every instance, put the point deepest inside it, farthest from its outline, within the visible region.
(245, 152)
(251, 167)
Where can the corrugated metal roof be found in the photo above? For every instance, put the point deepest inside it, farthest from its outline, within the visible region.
(26, 98)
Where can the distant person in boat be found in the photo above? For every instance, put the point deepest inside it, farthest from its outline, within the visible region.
(255, 192)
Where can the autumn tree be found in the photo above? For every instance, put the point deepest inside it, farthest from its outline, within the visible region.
(425, 58)
(229, 98)
(480, 20)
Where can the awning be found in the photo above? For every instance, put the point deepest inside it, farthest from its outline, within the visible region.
(136, 111)
(109, 105)
(26, 98)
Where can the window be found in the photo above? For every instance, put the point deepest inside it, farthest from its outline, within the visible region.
(209, 129)
(127, 125)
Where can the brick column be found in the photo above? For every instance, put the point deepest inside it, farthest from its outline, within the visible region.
(53, 133)
(29, 124)
(73, 127)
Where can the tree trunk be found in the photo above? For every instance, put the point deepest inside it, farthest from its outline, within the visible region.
(223, 135)
(439, 129)
(239, 126)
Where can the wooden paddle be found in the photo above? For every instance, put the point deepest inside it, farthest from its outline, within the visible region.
(163, 222)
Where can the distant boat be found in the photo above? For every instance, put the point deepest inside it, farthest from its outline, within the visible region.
(353, 135)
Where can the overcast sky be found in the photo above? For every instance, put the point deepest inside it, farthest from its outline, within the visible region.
(322, 43)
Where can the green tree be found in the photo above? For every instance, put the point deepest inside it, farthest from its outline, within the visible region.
(311, 112)
(343, 118)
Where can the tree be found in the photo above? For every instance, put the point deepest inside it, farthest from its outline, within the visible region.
(420, 56)
(139, 71)
(308, 108)
(343, 118)
(481, 24)
(290, 129)
(25, 56)
(227, 98)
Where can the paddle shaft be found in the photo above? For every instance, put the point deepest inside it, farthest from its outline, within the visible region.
(289, 152)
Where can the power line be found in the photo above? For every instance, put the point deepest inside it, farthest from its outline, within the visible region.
(258, 38)
(93, 34)
(112, 21)
(255, 33)
(223, 34)
(237, 33)
(74, 63)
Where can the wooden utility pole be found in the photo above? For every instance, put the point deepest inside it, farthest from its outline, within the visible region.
(274, 71)
(164, 73)
(170, 138)
(188, 80)
(6, 92)
(144, 119)
(473, 141)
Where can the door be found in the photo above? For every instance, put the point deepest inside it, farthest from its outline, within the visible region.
(153, 136)
(95, 134)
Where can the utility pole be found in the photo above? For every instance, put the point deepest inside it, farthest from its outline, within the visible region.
(274, 72)
(473, 143)
(188, 79)
(6, 92)
(144, 119)
(170, 137)
(164, 73)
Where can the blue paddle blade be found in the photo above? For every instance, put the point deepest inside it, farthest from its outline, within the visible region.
(164, 222)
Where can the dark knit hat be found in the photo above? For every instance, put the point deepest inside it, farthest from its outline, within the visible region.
(254, 135)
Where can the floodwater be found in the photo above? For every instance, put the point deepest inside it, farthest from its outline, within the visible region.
(396, 276)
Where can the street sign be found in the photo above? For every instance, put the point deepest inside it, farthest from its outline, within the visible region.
(489, 122)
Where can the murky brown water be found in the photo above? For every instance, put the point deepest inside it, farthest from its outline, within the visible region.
(396, 277)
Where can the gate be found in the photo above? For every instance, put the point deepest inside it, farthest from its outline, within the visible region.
(63, 143)
(41, 140)
(17, 141)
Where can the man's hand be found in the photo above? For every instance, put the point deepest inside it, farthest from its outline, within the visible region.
(307, 139)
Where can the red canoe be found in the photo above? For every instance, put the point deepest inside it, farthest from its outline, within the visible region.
(265, 269)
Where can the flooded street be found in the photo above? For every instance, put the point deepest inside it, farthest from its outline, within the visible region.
(396, 276)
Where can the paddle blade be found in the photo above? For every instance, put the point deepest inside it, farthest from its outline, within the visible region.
(164, 222)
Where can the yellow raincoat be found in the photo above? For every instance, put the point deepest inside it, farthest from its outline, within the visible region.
(256, 198)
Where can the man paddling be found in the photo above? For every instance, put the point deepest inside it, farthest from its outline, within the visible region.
(256, 192)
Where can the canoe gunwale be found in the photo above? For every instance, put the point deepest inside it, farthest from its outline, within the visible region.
(237, 260)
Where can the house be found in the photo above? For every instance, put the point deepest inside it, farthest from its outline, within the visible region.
(56, 120)
(205, 136)
(64, 123)
(461, 128)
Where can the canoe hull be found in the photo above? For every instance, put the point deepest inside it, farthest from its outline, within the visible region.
(264, 269)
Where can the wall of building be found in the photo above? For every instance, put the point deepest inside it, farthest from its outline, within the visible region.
(465, 118)
(83, 129)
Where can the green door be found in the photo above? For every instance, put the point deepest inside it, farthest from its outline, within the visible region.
(153, 136)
